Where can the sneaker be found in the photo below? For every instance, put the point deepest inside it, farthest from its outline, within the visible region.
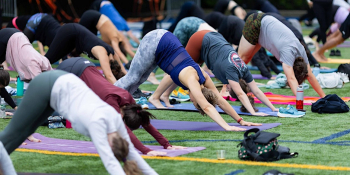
(337, 53)
(290, 112)
(143, 102)
(332, 53)
(127, 65)
(183, 92)
(179, 96)
(138, 94)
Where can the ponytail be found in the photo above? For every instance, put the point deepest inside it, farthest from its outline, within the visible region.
(4, 76)
(135, 116)
(120, 148)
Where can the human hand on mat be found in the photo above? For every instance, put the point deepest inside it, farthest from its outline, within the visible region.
(175, 147)
(259, 114)
(244, 123)
(156, 153)
(8, 113)
(233, 128)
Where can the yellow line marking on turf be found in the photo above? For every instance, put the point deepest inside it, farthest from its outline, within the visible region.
(229, 161)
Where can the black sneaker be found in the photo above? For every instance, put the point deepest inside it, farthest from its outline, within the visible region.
(332, 53)
(337, 53)
(138, 94)
(127, 66)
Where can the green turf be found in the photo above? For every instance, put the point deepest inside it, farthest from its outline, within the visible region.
(311, 127)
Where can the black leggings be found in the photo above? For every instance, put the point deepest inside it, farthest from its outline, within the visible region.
(266, 6)
(32, 112)
(323, 12)
(311, 58)
(63, 44)
(187, 9)
(264, 63)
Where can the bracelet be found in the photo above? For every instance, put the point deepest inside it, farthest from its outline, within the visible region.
(239, 120)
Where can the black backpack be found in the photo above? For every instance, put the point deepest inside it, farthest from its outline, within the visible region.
(344, 68)
(330, 104)
(262, 146)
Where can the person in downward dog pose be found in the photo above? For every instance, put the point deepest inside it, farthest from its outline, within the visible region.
(162, 48)
(107, 8)
(43, 28)
(120, 99)
(65, 93)
(76, 37)
(261, 30)
(211, 48)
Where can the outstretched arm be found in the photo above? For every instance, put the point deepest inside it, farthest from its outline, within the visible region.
(292, 81)
(260, 95)
(41, 48)
(314, 83)
(101, 54)
(115, 45)
(133, 37)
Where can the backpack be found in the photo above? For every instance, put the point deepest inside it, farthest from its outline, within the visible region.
(330, 104)
(262, 146)
(330, 80)
(344, 68)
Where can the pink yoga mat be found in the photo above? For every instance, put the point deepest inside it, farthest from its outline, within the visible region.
(75, 146)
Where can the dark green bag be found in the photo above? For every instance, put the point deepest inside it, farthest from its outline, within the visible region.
(262, 146)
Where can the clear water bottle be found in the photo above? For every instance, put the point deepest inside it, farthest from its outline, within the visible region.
(316, 69)
(3, 108)
(300, 98)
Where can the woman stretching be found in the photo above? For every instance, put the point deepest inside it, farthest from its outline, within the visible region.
(65, 93)
(107, 8)
(43, 28)
(261, 30)
(162, 48)
(76, 37)
(120, 99)
(212, 48)
(95, 21)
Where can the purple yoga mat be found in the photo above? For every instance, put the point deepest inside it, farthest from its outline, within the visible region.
(202, 126)
(75, 146)
(259, 76)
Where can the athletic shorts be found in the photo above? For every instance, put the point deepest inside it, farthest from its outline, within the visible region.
(345, 28)
(251, 30)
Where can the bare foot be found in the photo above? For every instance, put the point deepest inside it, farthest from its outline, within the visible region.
(156, 102)
(319, 57)
(165, 99)
(152, 78)
(33, 139)
(24, 143)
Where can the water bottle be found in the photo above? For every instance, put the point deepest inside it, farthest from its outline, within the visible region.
(316, 69)
(300, 98)
(20, 86)
(3, 108)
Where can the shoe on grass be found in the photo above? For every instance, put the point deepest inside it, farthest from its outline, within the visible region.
(179, 96)
(290, 112)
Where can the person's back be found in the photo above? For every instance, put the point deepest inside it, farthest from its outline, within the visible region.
(47, 30)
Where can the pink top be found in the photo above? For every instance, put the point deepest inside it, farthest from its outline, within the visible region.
(21, 55)
(341, 14)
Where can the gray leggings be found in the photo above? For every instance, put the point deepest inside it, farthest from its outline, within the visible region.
(32, 111)
(143, 63)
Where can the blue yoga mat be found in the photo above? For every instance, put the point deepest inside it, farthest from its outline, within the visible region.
(190, 107)
(281, 69)
(203, 126)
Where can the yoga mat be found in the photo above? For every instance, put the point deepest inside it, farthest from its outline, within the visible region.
(280, 68)
(75, 146)
(287, 100)
(41, 174)
(190, 107)
(336, 61)
(259, 76)
(203, 126)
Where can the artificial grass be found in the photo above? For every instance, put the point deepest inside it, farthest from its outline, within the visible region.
(311, 127)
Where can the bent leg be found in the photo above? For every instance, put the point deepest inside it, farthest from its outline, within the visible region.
(246, 50)
(163, 86)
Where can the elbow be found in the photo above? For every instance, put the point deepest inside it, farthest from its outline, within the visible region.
(240, 95)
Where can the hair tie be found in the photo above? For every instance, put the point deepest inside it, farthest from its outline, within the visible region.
(124, 160)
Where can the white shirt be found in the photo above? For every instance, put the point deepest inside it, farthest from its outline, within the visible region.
(94, 118)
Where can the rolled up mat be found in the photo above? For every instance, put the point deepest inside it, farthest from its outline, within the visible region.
(190, 107)
(286, 100)
(203, 126)
(281, 69)
(75, 146)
